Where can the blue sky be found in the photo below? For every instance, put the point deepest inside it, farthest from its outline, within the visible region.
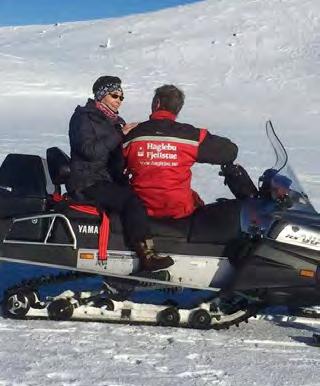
(21, 12)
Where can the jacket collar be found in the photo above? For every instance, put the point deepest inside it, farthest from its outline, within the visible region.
(163, 114)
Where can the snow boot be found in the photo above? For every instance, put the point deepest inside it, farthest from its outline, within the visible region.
(150, 260)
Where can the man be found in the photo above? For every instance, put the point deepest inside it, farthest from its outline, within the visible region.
(160, 153)
(96, 133)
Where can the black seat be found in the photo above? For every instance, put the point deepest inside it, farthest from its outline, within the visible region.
(59, 167)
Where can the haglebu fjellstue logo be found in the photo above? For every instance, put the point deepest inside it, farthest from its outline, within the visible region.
(161, 151)
(88, 229)
(158, 154)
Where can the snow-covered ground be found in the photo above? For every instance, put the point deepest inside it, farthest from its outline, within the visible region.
(68, 353)
(240, 62)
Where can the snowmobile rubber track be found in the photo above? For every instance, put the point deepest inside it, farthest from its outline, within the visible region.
(22, 302)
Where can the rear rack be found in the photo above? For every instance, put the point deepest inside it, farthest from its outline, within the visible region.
(52, 218)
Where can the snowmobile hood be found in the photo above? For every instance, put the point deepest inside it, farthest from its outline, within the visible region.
(298, 216)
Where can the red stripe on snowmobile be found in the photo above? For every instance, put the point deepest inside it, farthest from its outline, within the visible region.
(103, 228)
(57, 197)
(104, 237)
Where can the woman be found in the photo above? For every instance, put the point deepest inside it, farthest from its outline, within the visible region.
(96, 133)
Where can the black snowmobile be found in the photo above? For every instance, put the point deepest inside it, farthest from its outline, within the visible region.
(274, 261)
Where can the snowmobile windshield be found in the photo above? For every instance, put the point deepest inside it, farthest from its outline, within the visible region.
(281, 179)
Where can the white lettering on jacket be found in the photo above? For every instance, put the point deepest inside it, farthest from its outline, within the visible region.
(161, 146)
(156, 154)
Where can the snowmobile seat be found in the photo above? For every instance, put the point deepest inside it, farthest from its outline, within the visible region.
(23, 185)
(216, 223)
(59, 167)
(59, 171)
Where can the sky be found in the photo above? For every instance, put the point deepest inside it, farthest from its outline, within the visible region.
(24, 12)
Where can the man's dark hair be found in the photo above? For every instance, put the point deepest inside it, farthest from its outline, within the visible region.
(169, 97)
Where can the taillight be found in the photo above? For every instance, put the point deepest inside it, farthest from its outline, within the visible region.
(308, 273)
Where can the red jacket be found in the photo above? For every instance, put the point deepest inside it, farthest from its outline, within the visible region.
(160, 153)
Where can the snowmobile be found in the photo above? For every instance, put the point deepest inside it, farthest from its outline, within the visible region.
(274, 261)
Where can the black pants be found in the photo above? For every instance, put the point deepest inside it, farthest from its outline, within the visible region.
(112, 197)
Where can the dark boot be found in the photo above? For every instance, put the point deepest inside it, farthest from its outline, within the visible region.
(150, 260)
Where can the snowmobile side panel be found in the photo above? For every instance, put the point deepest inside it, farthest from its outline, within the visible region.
(187, 270)
(293, 296)
(275, 265)
(54, 256)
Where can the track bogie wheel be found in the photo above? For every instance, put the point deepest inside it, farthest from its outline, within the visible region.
(33, 297)
(200, 319)
(16, 305)
(109, 305)
(60, 309)
(106, 304)
(169, 317)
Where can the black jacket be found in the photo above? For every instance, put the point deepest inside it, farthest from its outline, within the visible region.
(95, 143)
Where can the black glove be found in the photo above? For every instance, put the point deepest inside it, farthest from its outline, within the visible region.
(238, 181)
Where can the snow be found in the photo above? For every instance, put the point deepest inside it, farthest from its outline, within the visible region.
(70, 353)
(239, 62)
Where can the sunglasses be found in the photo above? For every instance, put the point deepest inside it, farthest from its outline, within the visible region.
(116, 96)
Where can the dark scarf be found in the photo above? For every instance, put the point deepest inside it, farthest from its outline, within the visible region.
(114, 117)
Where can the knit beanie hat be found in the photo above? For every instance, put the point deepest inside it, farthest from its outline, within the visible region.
(105, 85)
